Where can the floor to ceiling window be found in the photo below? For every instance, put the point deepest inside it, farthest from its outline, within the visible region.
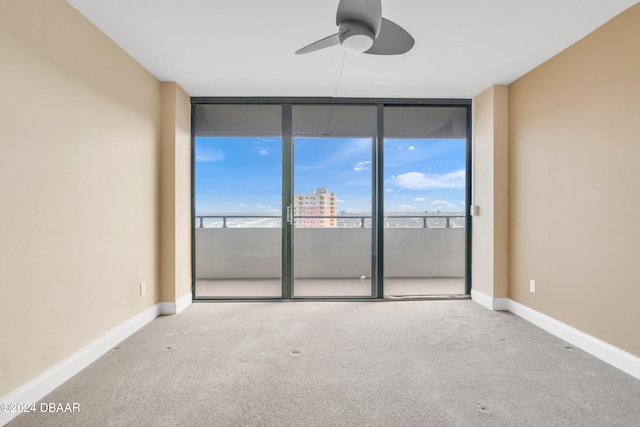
(425, 153)
(238, 201)
(303, 198)
(333, 147)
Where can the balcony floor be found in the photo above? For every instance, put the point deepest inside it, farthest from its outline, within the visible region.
(269, 288)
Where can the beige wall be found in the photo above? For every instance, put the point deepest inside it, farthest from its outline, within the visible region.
(574, 200)
(490, 188)
(80, 131)
(175, 196)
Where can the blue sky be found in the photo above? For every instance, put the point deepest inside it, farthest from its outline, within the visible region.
(244, 174)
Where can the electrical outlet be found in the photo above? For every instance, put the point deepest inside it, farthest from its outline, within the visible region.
(143, 288)
(532, 286)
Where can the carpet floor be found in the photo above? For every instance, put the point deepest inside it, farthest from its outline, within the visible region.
(392, 363)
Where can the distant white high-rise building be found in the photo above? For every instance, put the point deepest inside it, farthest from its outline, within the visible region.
(320, 203)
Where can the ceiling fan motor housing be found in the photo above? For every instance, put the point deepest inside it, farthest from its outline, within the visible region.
(356, 36)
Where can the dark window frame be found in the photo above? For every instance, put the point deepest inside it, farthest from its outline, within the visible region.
(378, 197)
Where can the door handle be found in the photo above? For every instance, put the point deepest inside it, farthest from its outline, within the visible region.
(289, 216)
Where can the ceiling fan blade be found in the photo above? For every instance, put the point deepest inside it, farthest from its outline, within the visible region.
(393, 40)
(366, 11)
(321, 44)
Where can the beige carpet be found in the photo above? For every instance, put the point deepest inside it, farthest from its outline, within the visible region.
(403, 363)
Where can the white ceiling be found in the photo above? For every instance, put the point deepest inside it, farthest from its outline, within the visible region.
(246, 47)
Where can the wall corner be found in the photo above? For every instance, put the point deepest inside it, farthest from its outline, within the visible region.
(175, 193)
(490, 192)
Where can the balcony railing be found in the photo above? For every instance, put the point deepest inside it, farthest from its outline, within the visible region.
(349, 221)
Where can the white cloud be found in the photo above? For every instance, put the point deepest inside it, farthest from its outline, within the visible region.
(421, 181)
(411, 147)
(361, 165)
(340, 200)
(420, 199)
(263, 152)
(443, 203)
(406, 207)
(389, 190)
(208, 154)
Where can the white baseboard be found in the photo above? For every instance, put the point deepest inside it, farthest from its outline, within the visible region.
(176, 307)
(45, 383)
(484, 300)
(501, 304)
(614, 356)
(489, 302)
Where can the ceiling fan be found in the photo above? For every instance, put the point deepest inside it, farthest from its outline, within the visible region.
(362, 29)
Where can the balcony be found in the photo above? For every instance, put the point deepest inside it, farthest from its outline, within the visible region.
(424, 255)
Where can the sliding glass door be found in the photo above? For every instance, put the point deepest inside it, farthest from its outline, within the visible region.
(301, 199)
(332, 199)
